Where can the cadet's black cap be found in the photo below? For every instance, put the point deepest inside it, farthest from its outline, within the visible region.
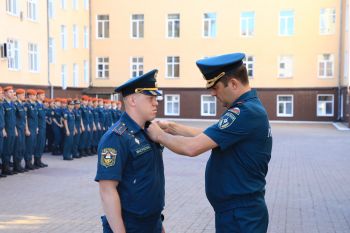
(145, 84)
(214, 68)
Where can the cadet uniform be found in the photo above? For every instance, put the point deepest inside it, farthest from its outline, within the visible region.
(96, 133)
(84, 135)
(69, 117)
(41, 138)
(56, 129)
(126, 154)
(20, 139)
(236, 170)
(77, 115)
(91, 133)
(2, 125)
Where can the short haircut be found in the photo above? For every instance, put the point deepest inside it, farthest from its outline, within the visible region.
(239, 74)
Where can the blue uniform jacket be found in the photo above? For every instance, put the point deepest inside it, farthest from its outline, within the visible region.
(127, 155)
(238, 166)
(10, 117)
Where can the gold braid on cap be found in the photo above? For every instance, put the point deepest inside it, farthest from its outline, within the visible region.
(139, 90)
(212, 81)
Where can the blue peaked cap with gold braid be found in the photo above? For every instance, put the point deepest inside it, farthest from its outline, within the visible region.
(144, 84)
(214, 68)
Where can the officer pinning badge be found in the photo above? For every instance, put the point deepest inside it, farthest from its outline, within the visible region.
(226, 120)
(235, 110)
(108, 157)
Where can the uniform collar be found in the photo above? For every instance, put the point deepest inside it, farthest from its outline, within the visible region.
(246, 96)
(133, 127)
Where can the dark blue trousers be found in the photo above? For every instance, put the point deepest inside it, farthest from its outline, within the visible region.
(68, 145)
(57, 136)
(8, 148)
(40, 145)
(76, 142)
(20, 145)
(1, 143)
(30, 145)
(251, 217)
(136, 225)
(95, 138)
(83, 140)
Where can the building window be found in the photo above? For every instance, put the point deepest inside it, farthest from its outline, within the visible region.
(12, 7)
(64, 76)
(86, 72)
(86, 37)
(247, 23)
(86, 4)
(137, 26)
(326, 66)
(103, 67)
(63, 37)
(286, 23)
(327, 21)
(173, 25)
(209, 25)
(285, 105)
(325, 105)
(173, 67)
(32, 9)
(63, 4)
(347, 16)
(13, 54)
(172, 105)
(208, 105)
(51, 10)
(102, 26)
(75, 75)
(75, 4)
(33, 57)
(249, 64)
(285, 67)
(136, 66)
(51, 50)
(75, 36)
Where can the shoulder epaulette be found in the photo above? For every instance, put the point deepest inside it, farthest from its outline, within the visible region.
(120, 128)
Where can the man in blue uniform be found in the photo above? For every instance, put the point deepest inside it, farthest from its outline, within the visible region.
(41, 139)
(10, 132)
(69, 126)
(2, 124)
(78, 125)
(130, 167)
(84, 137)
(57, 126)
(241, 145)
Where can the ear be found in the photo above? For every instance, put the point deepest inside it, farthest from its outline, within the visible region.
(233, 83)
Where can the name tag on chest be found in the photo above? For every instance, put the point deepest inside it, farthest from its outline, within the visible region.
(143, 149)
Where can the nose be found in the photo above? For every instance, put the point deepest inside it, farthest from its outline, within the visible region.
(155, 101)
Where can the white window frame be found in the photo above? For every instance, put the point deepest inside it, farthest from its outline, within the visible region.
(325, 102)
(203, 102)
(327, 21)
(86, 4)
(33, 57)
(284, 113)
(249, 65)
(346, 65)
(321, 59)
(13, 55)
(245, 21)
(136, 62)
(104, 25)
(75, 36)
(287, 72)
(284, 20)
(86, 72)
(63, 4)
(63, 37)
(166, 110)
(104, 68)
(52, 51)
(140, 23)
(32, 10)
(173, 65)
(173, 26)
(51, 10)
(75, 75)
(64, 77)
(75, 5)
(211, 22)
(86, 37)
(12, 7)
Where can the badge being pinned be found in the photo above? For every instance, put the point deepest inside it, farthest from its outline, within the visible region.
(108, 157)
(226, 120)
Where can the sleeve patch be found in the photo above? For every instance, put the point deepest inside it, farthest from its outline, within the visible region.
(226, 120)
(235, 110)
(108, 157)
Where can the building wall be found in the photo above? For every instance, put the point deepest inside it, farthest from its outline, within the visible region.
(18, 27)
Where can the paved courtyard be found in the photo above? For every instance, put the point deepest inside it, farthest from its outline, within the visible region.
(308, 189)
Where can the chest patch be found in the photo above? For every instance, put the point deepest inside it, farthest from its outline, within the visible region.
(108, 157)
(226, 120)
(143, 149)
